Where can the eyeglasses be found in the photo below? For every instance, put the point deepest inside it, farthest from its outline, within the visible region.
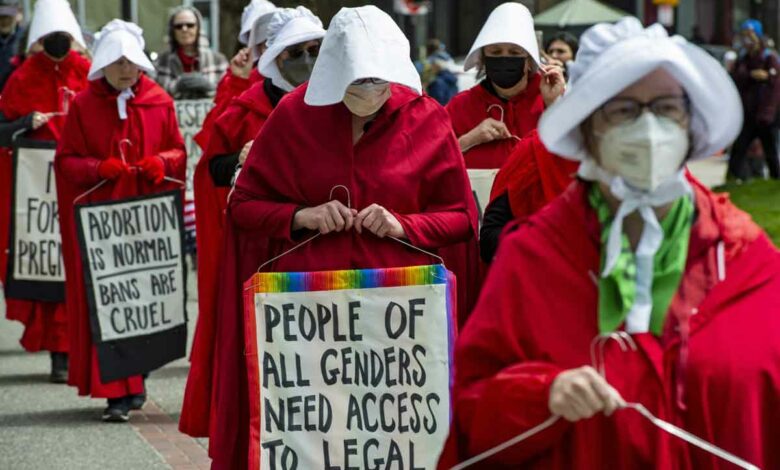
(627, 110)
(297, 51)
(373, 81)
(181, 26)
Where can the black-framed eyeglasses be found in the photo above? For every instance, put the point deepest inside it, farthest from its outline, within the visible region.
(181, 26)
(627, 110)
(373, 81)
(297, 51)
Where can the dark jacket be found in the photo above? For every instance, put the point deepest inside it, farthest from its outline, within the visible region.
(9, 48)
(760, 99)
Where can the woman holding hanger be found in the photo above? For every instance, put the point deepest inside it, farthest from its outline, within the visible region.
(33, 105)
(490, 118)
(122, 135)
(515, 88)
(381, 162)
(637, 285)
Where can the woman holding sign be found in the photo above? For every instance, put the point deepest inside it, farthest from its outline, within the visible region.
(295, 33)
(121, 140)
(491, 117)
(638, 294)
(33, 105)
(381, 162)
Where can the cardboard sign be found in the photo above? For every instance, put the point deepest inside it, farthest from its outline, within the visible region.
(190, 115)
(35, 266)
(135, 281)
(353, 368)
(481, 184)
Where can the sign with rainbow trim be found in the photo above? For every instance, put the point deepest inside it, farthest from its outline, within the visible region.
(350, 369)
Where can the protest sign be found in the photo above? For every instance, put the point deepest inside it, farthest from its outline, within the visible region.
(35, 267)
(190, 115)
(350, 369)
(481, 184)
(135, 281)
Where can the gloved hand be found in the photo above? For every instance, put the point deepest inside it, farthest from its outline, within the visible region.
(111, 168)
(153, 169)
(193, 85)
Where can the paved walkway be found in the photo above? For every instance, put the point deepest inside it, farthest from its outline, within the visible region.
(47, 426)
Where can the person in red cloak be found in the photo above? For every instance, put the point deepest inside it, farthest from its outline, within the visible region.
(121, 104)
(381, 161)
(491, 117)
(637, 286)
(231, 139)
(34, 103)
(530, 179)
(242, 73)
(502, 108)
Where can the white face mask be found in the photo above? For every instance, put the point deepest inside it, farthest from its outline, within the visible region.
(366, 99)
(646, 152)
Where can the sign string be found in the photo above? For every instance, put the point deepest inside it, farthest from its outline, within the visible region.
(122, 155)
(317, 235)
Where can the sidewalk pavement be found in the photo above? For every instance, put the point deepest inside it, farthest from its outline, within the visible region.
(48, 426)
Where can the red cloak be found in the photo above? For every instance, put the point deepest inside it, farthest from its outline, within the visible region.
(408, 161)
(239, 124)
(468, 109)
(92, 134)
(532, 176)
(537, 317)
(229, 87)
(37, 85)
(520, 114)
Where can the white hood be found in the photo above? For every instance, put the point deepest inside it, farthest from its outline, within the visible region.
(509, 23)
(614, 56)
(53, 16)
(119, 39)
(361, 43)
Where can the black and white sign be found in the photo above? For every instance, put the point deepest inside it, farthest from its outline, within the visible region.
(190, 115)
(35, 267)
(135, 281)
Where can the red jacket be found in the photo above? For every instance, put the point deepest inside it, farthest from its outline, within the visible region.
(229, 87)
(532, 176)
(537, 317)
(37, 85)
(239, 124)
(408, 161)
(520, 114)
(92, 134)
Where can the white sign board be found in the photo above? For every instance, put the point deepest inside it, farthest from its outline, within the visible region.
(354, 378)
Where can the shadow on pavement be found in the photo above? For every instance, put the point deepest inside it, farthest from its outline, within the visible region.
(25, 379)
(53, 418)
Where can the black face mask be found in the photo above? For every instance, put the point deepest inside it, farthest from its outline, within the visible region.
(57, 45)
(505, 72)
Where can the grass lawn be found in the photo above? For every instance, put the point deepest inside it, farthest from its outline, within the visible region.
(760, 198)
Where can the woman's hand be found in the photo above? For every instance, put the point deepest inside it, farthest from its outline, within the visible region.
(39, 119)
(241, 63)
(245, 152)
(553, 84)
(486, 131)
(379, 221)
(581, 393)
(330, 217)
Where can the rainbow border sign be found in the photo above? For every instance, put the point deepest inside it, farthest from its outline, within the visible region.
(350, 368)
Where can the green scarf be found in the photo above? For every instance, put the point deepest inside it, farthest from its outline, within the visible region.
(617, 291)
